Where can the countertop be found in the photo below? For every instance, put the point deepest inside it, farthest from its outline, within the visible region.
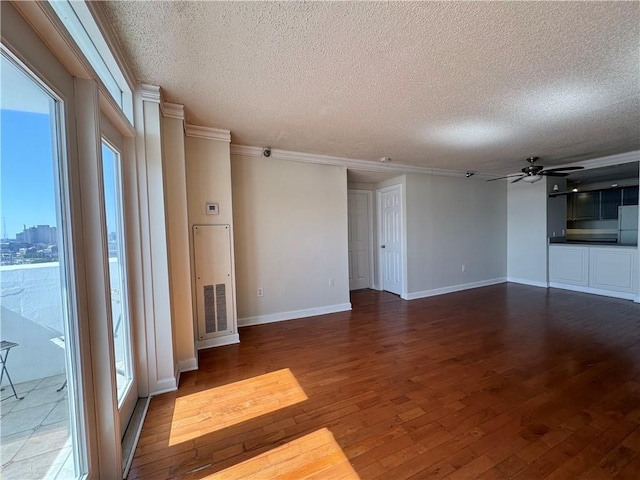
(587, 243)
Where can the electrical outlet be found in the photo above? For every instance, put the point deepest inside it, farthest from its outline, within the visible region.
(464, 267)
(331, 282)
(260, 292)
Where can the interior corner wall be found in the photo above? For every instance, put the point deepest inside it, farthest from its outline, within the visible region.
(208, 164)
(175, 185)
(291, 238)
(453, 222)
(527, 233)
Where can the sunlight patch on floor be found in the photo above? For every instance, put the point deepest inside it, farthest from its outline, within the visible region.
(314, 456)
(220, 407)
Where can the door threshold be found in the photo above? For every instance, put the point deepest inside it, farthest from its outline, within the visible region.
(132, 433)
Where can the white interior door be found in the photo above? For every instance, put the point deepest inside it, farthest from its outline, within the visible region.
(359, 238)
(391, 239)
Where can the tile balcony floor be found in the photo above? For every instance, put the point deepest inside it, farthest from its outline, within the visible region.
(35, 436)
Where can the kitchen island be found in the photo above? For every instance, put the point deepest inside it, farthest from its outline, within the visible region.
(599, 268)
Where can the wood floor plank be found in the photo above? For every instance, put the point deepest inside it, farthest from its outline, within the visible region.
(507, 381)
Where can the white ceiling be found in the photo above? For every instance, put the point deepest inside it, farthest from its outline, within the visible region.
(450, 85)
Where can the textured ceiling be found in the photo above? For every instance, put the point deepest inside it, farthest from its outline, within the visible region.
(452, 85)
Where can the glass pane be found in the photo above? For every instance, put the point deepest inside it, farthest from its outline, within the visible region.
(117, 270)
(41, 420)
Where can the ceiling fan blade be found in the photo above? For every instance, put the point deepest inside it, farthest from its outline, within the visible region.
(553, 174)
(506, 176)
(563, 169)
(518, 179)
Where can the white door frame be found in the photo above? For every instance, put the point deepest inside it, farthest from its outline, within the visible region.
(372, 269)
(403, 260)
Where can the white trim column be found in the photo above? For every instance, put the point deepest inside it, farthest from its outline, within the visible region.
(161, 367)
(174, 168)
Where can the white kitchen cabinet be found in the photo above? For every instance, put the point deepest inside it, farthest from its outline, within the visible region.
(569, 265)
(602, 270)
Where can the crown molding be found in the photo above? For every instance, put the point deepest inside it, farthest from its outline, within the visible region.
(150, 93)
(368, 165)
(172, 110)
(608, 161)
(207, 133)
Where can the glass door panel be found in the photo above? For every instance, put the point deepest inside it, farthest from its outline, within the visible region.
(42, 422)
(120, 318)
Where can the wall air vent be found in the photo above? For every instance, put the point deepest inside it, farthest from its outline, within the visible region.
(214, 287)
(215, 308)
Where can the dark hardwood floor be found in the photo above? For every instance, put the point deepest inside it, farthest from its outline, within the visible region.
(501, 382)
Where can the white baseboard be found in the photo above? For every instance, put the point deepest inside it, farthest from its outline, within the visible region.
(188, 365)
(453, 288)
(281, 316)
(525, 281)
(218, 341)
(163, 386)
(594, 291)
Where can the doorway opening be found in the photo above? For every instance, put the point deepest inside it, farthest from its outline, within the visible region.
(376, 232)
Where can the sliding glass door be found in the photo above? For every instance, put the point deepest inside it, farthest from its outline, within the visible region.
(42, 425)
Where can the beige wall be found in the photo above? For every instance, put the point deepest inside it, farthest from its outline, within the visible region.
(451, 222)
(175, 187)
(209, 180)
(291, 238)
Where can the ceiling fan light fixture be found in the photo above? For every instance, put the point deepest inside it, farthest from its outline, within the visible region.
(532, 178)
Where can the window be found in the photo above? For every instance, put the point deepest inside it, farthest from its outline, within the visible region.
(42, 422)
(80, 24)
(111, 169)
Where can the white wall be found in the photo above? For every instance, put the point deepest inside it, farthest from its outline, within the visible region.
(451, 222)
(209, 181)
(31, 303)
(175, 187)
(291, 238)
(527, 233)
(33, 317)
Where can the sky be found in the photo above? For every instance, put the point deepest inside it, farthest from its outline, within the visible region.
(28, 162)
(27, 173)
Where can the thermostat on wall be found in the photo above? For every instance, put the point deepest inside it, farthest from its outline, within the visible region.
(212, 209)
